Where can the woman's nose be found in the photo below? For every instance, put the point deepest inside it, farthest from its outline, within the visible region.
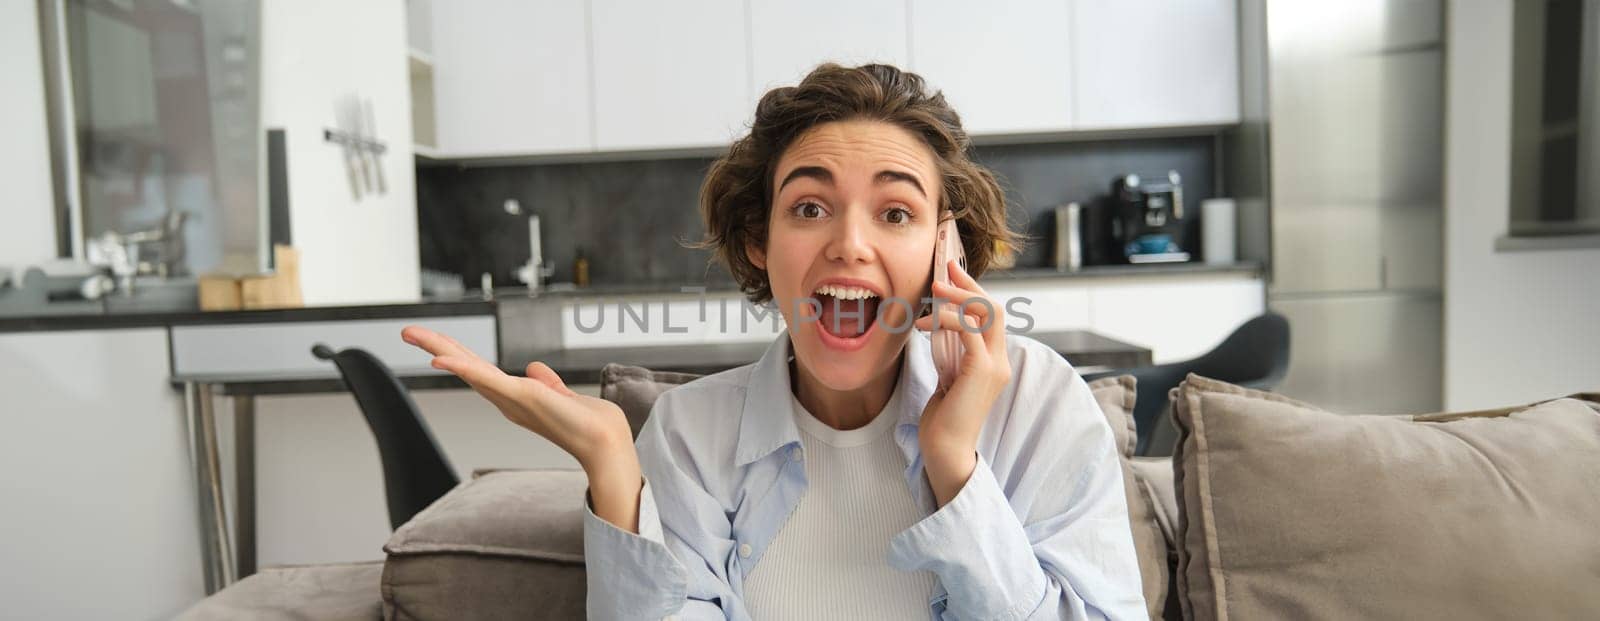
(851, 241)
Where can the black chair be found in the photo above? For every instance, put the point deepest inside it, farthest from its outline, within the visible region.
(1256, 355)
(415, 471)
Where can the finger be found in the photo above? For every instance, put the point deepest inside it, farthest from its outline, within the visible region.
(436, 343)
(990, 318)
(974, 345)
(452, 340)
(432, 342)
(482, 376)
(960, 277)
(546, 375)
(944, 319)
(950, 318)
(976, 353)
(523, 400)
(933, 321)
(965, 301)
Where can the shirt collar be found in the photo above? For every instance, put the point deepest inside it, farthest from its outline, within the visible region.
(767, 421)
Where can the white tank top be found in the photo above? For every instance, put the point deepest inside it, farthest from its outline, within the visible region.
(830, 559)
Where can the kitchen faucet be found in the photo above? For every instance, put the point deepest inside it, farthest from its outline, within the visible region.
(120, 251)
(536, 270)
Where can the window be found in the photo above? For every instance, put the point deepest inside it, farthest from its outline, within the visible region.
(1555, 164)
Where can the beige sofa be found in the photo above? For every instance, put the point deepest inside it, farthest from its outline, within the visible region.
(1271, 508)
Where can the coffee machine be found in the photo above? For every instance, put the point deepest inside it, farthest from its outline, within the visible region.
(1147, 219)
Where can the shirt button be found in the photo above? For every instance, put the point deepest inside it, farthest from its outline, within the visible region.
(794, 453)
(744, 550)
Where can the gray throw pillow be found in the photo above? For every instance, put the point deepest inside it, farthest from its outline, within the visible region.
(1291, 512)
(1116, 395)
(635, 389)
(504, 545)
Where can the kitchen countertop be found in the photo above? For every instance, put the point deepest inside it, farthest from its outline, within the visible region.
(115, 320)
(1122, 271)
(473, 304)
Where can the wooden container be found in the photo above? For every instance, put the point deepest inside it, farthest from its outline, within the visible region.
(220, 292)
(281, 289)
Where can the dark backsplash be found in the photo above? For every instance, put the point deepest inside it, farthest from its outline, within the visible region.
(630, 217)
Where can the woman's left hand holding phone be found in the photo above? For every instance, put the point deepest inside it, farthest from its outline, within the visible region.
(953, 418)
(592, 430)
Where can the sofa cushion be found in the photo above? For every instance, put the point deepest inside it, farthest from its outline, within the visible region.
(1288, 511)
(1155, 480)
(1116, 395)
(1154, 476)
(634, 389)
(504, 545)
(337, 592)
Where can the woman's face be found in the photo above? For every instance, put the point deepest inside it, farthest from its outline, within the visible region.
(852, 226)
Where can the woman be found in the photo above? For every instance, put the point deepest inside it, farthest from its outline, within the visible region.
(834, 478)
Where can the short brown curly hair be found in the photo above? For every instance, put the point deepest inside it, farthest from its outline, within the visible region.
(736, 198)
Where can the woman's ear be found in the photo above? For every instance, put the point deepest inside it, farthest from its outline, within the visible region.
(757, 256)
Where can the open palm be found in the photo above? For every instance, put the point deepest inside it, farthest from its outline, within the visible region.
(586, 427)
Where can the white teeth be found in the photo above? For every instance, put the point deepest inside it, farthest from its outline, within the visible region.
(846, 293)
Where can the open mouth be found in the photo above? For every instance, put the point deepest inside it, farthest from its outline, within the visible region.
(848, 315)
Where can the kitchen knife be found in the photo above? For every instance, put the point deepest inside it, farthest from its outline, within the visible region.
(370, 134)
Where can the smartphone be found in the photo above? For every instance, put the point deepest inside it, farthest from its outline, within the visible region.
(946, 342)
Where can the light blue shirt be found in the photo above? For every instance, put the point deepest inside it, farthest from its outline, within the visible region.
(1040, 530)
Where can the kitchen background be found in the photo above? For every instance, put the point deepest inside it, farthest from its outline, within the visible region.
(1368, 150)
(631, 216)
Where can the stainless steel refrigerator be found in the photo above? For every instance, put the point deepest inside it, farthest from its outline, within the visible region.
(1341, 158)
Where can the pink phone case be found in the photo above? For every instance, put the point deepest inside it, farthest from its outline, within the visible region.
(946, 343)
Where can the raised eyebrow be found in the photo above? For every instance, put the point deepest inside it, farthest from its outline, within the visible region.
(815, 172)
(889, 176)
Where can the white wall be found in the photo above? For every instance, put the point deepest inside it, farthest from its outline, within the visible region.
(28, 211)
(313, 53)
(1519, 326)
(100, 518)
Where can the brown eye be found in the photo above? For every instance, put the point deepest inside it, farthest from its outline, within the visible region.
(897, 216)
(808, 210)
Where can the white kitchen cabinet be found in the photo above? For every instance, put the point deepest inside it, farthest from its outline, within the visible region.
(788, 39)
(669, 74)
(511, 77)
(285, 347)
(1042, 306)
(572, 76)
(1177, 318)
(1155, 63)
(1005, 66)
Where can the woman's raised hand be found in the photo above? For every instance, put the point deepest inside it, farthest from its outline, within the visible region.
(586, 427)
(955, 415)
(592, 430)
